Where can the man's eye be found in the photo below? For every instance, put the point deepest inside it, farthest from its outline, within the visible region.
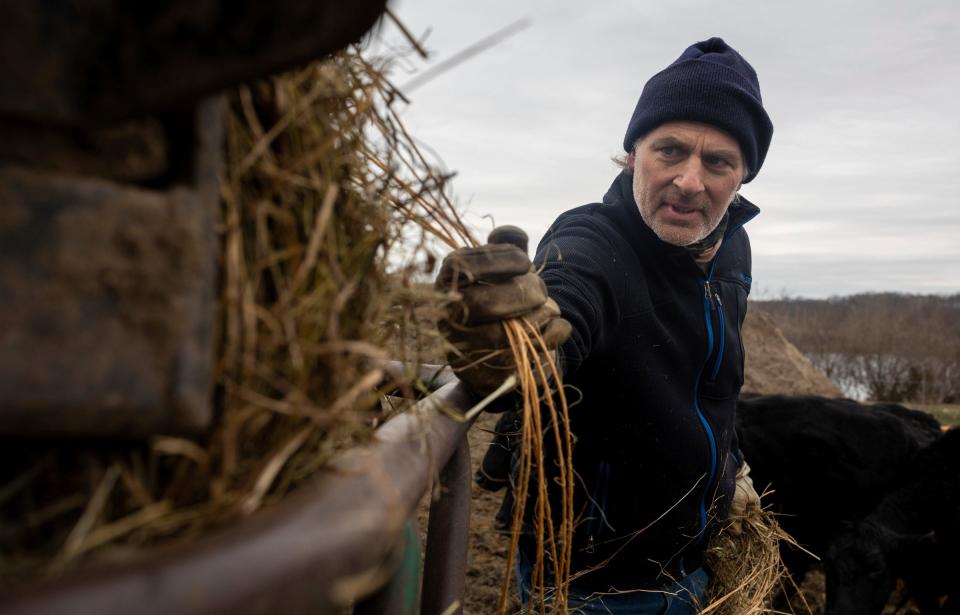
(716, 161)
(668, 150)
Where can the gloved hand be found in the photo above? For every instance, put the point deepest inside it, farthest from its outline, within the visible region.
(745, 499)
(494, 282)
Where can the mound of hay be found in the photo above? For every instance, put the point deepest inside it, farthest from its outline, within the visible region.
(746, 567)
(746, 570)
(328, 210)
(774, 365)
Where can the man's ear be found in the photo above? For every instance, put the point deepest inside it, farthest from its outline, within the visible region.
(631, 159)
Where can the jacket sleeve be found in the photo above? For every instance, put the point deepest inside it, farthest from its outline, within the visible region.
(735, 450)
(577, 262)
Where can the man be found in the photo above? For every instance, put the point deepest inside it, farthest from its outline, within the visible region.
(644, 295)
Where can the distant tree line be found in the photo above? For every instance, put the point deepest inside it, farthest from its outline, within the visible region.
(881, 346)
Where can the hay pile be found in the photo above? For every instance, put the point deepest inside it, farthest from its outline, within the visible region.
(746, 569)
(329, 212)
(774, 365)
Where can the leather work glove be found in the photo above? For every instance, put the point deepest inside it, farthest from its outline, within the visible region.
(493, 283)
(745, 499)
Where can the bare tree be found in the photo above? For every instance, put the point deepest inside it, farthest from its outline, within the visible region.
(887, 346)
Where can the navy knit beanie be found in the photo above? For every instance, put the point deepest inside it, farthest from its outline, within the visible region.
(711, 83)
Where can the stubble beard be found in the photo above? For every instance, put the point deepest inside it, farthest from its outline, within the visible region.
(670, 233)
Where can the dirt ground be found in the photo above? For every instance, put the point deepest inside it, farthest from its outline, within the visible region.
(488, 548)
(773, 365)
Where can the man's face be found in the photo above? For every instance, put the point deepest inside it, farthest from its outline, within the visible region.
(685, 174)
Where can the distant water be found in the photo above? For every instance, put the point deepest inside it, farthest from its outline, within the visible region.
(853, 390)
(837, 367)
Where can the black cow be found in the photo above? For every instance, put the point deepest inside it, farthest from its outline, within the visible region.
(913, 533)
(827, 461)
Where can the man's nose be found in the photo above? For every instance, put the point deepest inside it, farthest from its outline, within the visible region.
(689, 177)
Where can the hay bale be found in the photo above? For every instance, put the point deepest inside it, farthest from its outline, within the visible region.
(328, 213)
(747, 573)
(774, 365)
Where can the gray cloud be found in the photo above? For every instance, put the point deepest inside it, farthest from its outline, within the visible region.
(859, 191)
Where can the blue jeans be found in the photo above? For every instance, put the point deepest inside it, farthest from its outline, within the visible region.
(678, 598)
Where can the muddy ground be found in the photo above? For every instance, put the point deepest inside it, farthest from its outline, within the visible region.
(486, 564)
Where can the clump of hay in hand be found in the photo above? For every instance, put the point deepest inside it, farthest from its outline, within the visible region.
(746, 567)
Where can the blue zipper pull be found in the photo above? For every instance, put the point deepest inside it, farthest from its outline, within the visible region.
(722, 335)
(708, 318)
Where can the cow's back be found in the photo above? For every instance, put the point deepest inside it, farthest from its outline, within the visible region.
(827, 460)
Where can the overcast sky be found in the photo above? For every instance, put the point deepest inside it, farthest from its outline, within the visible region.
(859, 191)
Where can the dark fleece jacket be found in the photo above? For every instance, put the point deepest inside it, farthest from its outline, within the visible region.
(656, 362)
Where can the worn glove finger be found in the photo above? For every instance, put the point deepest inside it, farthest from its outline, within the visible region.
(554, 329)
(492, 335)
(513, 235)
(487, 302)
(465, 356)
(745, 499)
(483, 372)
(481, 355)
(556, 332)
(492, 262)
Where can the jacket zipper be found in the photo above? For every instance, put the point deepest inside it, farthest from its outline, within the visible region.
(708, 430)
(722, 336)
(711, 438)
(707, 310)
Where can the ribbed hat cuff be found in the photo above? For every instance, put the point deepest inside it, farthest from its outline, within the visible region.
(703, 91)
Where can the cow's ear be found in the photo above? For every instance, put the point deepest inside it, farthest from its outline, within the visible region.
(909, 546)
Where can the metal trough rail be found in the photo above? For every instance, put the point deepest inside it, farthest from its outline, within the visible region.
(332, 544)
